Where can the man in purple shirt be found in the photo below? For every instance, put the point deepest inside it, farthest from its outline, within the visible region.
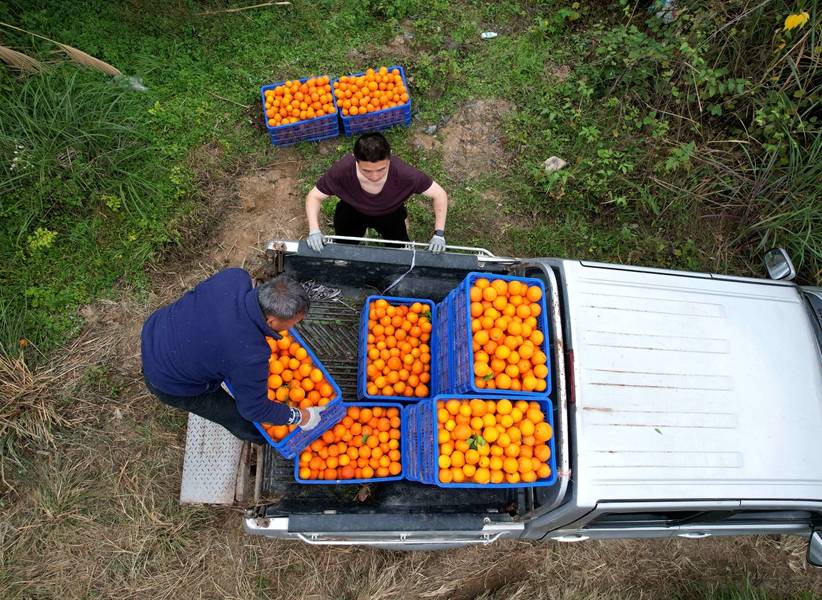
(372, 187)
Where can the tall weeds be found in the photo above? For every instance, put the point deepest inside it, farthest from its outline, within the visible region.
(731, 101)
(80, 185)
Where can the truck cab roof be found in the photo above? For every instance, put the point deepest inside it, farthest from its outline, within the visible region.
(691, 386)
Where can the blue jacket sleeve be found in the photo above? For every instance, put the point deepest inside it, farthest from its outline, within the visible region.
(250, 386)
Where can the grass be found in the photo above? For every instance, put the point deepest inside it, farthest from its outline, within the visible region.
(669, 165)
(87, 201)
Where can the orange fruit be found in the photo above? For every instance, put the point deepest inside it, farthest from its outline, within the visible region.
(482, 475)
(489, 294)
(472, 457)
(457, 459)
(452, 406)
(542, 432)
(478, 407)
(534, 415)
(462, 432)
(527, 428)
(503, 381)
(542, 452)
(512, 477)
(510, 465)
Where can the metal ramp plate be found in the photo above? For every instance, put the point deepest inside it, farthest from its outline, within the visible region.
(211, 463)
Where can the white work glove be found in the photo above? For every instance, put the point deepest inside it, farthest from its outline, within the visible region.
(437, 243)
(314, 417)
(315, 240)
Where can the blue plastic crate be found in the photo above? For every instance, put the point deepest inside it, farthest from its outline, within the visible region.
(296, 441)
(445, 347)
(380, 119)
(426, 447)
(410, 459)
(362, 377)
(403, 452)
(311, 130)
(463, 351)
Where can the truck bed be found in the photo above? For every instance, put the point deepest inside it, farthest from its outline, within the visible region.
(331, 329)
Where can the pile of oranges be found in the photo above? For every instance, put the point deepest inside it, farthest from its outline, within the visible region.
(492, 441)
(398, 351)
(365, 444)
(294, 101)
(506, 339)
(294, 379)
(373, 91)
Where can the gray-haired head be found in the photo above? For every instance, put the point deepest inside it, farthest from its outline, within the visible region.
(284, 302)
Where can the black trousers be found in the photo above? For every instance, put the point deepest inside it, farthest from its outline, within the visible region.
(349, 221)
(216, 406)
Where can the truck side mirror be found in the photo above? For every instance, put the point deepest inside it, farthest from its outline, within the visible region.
(815, 548)
(779, 264)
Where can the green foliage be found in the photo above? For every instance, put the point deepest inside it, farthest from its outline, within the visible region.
(666, 122)
(86, 200)
(734, 590)
(394, 9)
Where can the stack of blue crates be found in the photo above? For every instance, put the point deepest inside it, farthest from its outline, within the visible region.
(455, 379)
(423, 448)
(362, 353)
(380, 119)
(463, 351)
(299, 439)
(310, 130)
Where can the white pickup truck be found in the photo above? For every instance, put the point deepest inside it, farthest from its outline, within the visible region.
(686, 404)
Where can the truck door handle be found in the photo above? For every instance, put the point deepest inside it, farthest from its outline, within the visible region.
(694, 535)
(570, 538)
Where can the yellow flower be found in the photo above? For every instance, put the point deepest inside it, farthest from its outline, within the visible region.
(797, 20)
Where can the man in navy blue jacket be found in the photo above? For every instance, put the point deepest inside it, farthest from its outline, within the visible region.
(214, 333)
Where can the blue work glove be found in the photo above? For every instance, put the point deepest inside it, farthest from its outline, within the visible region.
(315, 240)
(311, 417)
(437, 243)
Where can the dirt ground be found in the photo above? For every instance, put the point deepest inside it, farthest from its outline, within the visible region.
(96, 515)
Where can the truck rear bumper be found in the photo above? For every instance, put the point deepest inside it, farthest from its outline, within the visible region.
(278, 527)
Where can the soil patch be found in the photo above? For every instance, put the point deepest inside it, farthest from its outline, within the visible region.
(269, 205)
(471, 142)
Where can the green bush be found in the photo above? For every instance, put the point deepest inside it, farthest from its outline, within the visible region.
(86, 199)
(714, 115)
